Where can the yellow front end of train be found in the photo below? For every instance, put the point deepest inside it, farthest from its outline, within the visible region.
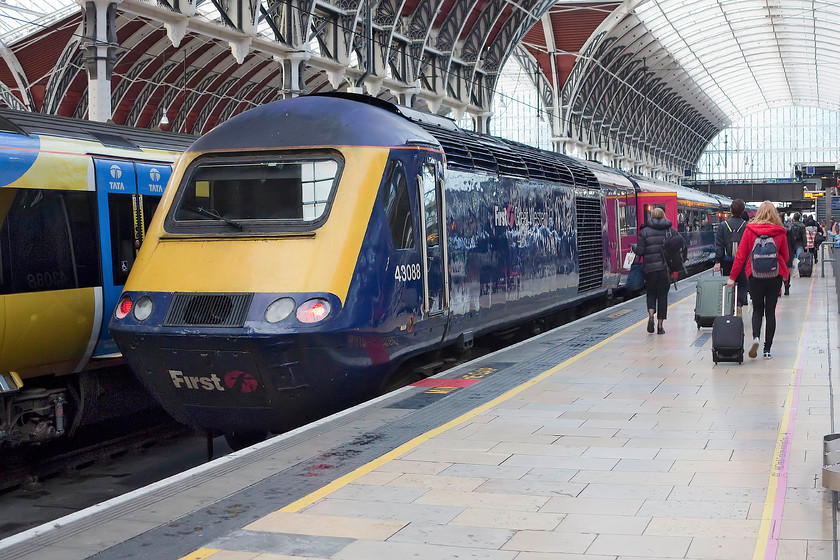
(321, 260)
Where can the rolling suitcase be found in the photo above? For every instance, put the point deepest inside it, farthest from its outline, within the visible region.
(806, 264)
(708, 303)
(728, 333)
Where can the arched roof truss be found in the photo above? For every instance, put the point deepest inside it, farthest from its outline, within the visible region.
(645, 81)
(180, 57)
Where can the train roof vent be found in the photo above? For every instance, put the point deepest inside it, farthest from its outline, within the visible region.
(508, 161)
(207, 310)
(542, 164)
(457, 154)
(114, 140)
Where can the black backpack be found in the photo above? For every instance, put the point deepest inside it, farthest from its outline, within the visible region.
(794, 234)
(735, 235)
(673, 251)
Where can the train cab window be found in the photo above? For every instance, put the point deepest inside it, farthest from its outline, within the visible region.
(47, 240)
(394, 198)
(260, 196)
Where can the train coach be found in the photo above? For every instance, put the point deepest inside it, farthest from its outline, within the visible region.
(308, 247)
(75, 199)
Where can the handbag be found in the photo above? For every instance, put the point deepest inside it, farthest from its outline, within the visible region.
(629, 259)
(636, 278)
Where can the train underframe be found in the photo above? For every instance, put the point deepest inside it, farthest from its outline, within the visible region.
(51, 407)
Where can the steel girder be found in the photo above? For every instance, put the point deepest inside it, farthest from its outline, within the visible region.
(448, 61)
(628, 94)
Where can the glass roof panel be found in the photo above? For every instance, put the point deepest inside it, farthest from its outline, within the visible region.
(19, 18)
(749, 54)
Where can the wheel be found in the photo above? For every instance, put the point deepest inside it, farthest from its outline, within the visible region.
(241, 440)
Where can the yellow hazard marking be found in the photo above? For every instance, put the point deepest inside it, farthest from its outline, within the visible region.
(200, 554)
(619, 313)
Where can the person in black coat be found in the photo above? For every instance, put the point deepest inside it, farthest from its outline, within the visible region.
(727, 236)
(657, 276)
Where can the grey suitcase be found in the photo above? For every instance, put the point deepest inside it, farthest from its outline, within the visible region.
(709, 301)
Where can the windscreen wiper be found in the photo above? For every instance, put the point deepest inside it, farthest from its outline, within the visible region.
(212, 214)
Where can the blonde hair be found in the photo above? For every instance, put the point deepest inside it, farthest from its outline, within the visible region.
(767, 214)
(657, 213)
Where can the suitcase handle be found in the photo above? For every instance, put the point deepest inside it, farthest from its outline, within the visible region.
(734, 299)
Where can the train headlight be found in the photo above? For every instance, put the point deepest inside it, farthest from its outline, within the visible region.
(143, 308)
(279, 309)
(313, 311)
(123, 307)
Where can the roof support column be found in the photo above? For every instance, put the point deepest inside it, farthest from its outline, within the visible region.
(293, 68)
(101, 53)
(481, 122)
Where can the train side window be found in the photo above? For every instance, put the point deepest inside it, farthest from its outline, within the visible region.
(47, 240)
(431, 207)
(632, 220)
(394, 198)
(681, 221)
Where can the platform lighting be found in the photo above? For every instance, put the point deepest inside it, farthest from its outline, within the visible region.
(164, 120)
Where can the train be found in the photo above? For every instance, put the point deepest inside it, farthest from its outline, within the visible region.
(308, 248)
(75, 200)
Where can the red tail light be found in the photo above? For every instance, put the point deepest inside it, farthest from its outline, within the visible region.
(123, 307)
(313, 311)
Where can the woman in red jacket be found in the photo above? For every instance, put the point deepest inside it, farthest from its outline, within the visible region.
(766, 280)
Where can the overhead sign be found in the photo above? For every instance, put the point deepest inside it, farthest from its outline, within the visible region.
(815, 194)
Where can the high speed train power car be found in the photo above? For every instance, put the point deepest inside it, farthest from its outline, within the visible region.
(75, 199)
(308, 247)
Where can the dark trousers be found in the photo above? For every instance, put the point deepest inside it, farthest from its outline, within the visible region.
(741, 281)
(657, 284)
(765, 295)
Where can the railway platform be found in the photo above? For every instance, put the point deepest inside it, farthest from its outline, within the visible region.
(593, 441)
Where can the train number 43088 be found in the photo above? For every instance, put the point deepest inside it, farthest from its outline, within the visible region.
(407, 272)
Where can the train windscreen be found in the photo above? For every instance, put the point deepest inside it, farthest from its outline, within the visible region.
(277, 195)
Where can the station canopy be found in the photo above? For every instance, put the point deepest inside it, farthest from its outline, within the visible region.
(646, 81)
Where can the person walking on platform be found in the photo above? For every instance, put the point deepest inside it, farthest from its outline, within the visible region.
(763, 251)
(727, 237)
(791, 244)
(796, 234)
(812, 230)
(652, 236)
